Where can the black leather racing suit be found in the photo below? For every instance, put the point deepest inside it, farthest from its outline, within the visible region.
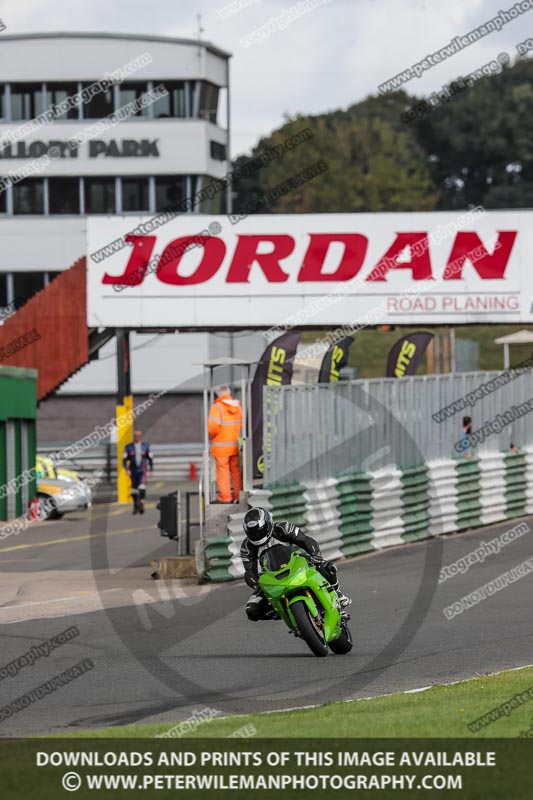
(258, 607)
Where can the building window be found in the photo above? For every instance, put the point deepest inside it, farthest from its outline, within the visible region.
(135, 194)
(3, 105)
(169, 192)
(131, 93)
(209, 102)
(26, 284)
(64, 195)
(99, 195)
(26, 100)
(99, 106)
(218, 151)
(173, 104)
(215, 204)
(60, 93)
(3, 289)
(195, 185)
(28, 196)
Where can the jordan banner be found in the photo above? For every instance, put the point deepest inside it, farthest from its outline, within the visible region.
(428, 268)
(406, 354)
(274, 369)
(334, 360)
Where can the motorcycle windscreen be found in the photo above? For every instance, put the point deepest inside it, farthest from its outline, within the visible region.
(277, 556)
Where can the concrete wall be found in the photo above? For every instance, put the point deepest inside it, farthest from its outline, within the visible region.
(172, 419)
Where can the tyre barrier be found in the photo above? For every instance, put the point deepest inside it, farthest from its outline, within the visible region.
(358, 512)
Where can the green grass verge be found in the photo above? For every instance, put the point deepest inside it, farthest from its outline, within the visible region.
(442, 711)
(371, 347)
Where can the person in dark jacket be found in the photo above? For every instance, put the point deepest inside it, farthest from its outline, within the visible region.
(261, 533)
(467, 430)
(137, 458)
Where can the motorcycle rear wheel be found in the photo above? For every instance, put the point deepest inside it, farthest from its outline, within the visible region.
(314, 640)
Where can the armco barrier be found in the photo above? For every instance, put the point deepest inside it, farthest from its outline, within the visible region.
(171, 461)
(358, 512)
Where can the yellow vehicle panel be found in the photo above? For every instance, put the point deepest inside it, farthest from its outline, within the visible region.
(48, 488)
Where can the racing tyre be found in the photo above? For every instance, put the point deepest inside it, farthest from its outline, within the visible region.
(309, 630)
(344, 643)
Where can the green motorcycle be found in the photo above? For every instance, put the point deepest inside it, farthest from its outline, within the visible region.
(304, 600)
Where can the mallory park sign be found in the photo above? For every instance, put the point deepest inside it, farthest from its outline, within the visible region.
(310, 270)
(56, 148)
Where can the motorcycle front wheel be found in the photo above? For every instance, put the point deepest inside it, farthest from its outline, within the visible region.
(344, 642)
(309, 631)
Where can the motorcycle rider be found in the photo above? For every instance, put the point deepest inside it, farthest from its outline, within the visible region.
(261, 533)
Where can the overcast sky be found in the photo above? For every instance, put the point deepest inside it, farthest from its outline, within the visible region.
(330, 57)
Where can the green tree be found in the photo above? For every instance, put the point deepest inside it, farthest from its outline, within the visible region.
(375, 163)
(475, 149)
(479, 143)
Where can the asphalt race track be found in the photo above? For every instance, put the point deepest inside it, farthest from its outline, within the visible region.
(161, 650)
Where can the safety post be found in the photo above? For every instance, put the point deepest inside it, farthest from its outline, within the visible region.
(124, 412)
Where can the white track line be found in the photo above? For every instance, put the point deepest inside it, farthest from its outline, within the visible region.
(373, 697)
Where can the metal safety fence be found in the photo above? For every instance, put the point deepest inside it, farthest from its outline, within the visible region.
(171, 461)
(312, 432)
